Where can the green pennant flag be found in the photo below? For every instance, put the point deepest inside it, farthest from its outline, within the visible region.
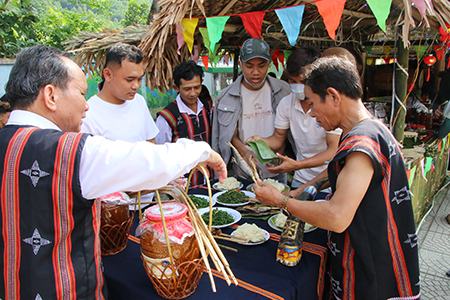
(428, 163)
(420, 50)
(215, 28)
(204, 33)
(287, 53)
(411, 176)
(380, 9)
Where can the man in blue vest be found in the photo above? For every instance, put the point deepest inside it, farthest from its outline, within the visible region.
(49, 173)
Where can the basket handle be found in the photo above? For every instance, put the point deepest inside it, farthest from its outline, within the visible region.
(204, 171)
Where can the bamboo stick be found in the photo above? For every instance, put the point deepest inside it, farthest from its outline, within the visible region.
(166, 234)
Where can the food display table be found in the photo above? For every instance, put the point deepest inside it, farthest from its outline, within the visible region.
(258, 274)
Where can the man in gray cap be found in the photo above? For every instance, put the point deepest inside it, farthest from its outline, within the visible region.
(247, 107)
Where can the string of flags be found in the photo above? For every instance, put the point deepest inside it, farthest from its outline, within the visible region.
(290, 17)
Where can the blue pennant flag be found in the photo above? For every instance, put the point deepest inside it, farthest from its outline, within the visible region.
(291, 19)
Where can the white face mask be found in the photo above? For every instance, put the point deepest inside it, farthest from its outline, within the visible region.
(298, 89)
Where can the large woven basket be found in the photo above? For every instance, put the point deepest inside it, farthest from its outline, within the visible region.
(115, 225)
(178, 278)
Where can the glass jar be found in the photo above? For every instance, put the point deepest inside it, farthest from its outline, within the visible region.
(181, 238)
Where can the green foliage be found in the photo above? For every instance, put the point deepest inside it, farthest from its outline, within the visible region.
(58, 25)
(52, 22)
(16, 28)
(137, 12)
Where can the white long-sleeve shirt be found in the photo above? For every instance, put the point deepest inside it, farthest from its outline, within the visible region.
(108, 166)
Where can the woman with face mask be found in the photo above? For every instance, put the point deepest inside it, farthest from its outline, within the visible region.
(312, 144)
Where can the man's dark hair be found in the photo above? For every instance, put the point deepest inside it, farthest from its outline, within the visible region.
(4, 106)
(334, 72)
(120, 52)
(300, 58)
(187, 71)
(35, 67)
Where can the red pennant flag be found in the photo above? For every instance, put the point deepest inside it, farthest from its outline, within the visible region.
(253, 23)
(275, 55)
(331, 12)
(205, 60)
(281, 58)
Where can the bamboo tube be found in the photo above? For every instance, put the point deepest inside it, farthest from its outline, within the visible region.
(139, 205)
(166, 234)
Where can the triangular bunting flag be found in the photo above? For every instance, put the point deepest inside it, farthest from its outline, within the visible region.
(205, 61)
(195, 55)
(275, 57)
(215, 28)
(253, 23)
(180, 37)
(204, 33)
(287, 53)
(421, 7)
(331, 12)
(380, 9)
(281, 58)
(291, 20)
(189, 26)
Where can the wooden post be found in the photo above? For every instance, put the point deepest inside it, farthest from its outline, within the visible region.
(401, 86)
(236, 64)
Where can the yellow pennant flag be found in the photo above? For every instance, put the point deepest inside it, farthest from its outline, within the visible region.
(189, 26)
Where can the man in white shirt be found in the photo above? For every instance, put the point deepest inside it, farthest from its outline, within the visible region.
(118, 112)
(313, 145)
(247, 107)
(49, 172)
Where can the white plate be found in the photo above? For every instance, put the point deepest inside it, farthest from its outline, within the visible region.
(145, 198)
(234, 213)
(271, 222)
(266, 238)
(215, 186)
(247, 193)
(250, 188)
(204, 197)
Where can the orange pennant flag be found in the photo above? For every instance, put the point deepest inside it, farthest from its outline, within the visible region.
(331, 12)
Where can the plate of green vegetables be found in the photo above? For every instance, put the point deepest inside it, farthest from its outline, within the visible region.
(233, 198)
(221, 216)
(201, 201)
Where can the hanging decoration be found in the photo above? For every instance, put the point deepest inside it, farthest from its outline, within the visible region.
(411, 175)
(215, 27)
(429, 61)
(331, 12)
(189, 26)
(380, 9)
(180, 37)
(253, 23)
(205, 61)
(291, 20)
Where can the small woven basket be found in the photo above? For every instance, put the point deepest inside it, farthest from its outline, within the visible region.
(115, 225)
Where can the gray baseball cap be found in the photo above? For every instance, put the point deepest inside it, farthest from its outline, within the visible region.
(254, 48)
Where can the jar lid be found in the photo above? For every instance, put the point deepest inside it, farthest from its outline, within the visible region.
(116, 198)
(172, 211)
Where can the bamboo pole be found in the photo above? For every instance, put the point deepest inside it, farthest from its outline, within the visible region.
(401, 85)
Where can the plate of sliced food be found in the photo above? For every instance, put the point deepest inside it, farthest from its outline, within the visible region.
(234, 198)
(283, 188)
(250, 235)
(278, 221)
(221, 216)
(230, 183)
(201, 201)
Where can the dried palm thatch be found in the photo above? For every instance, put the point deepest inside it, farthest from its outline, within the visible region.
(158, 40)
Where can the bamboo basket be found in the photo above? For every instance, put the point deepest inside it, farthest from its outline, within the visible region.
(178, 278)
(115, 225)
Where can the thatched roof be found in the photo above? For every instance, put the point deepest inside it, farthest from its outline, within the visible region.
(158, 40)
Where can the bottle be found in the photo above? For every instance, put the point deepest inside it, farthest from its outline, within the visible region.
(290, 247)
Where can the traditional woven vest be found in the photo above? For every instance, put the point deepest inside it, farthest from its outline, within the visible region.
(50, 244)
(189, 126)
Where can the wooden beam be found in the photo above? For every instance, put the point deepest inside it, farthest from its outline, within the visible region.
(227, 7)
(357, 14)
